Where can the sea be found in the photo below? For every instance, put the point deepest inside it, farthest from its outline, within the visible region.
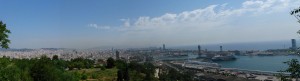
(262, 63)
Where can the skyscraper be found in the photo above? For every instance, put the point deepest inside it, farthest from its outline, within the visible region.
(117, 55)
(164, 47)
(199, 50)
(294, 47)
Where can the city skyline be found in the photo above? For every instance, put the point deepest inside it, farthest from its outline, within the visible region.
(87, 24)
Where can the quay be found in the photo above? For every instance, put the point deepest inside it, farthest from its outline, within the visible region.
(207, 67)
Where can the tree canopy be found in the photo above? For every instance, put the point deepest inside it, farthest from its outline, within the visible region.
(4, 41)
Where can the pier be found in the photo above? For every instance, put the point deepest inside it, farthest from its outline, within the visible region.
(246, 71)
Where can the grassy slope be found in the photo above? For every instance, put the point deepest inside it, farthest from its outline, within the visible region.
(96, 74)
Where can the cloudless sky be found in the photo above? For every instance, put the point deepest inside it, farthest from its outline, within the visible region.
(66, 23)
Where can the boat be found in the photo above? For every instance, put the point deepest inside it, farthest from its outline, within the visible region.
(223, 57)
(179, 55)
(198, 64)
(265, 54)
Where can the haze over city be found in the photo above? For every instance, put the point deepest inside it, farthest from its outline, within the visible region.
(149, 40)
(141, 23)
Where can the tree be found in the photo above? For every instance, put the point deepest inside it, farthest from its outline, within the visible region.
(283, 77)
(84, 76)
(187, 76)
(294, 68)
(45, 70)
(4, 41)
(120, 64)
(80, 63)
(149, 70)
(55, 57)
(126, 74)
(110, 63)
(120, 75)
(9, 71)
(135, 66)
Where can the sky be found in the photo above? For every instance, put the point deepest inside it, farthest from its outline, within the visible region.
(146, 23)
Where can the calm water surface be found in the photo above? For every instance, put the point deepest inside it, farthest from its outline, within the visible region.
(263, 63)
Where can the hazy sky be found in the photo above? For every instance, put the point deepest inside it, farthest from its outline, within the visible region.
(144, 23)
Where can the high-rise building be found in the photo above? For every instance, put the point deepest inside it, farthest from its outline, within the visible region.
(221, 48)
(199, 50)
(164, 47)
(294, 46)
(117, 55)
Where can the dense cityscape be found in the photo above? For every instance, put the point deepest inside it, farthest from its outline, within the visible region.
(143, 40)
(201, 62)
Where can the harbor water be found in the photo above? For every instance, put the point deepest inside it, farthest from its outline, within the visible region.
(262, 63)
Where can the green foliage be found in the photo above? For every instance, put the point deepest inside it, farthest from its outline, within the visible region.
(137, 67)
(120, 64)
(55, 57)
(283, 77)
(47, 69)
(141, 72)
(66, 76)
(94, 76)
(97, 74)
(77, 75)
(102, 68)
(43, 69)
(173, 75)
(80, 63)
(110, 63)
(84, 77)
(293, 69)
(136, 76)
(186, 76)
(120, 75)
(4, 41)
(149, 71)
(10, 72)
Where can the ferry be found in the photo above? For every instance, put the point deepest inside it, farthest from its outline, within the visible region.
(223, 57)
(200, 65)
